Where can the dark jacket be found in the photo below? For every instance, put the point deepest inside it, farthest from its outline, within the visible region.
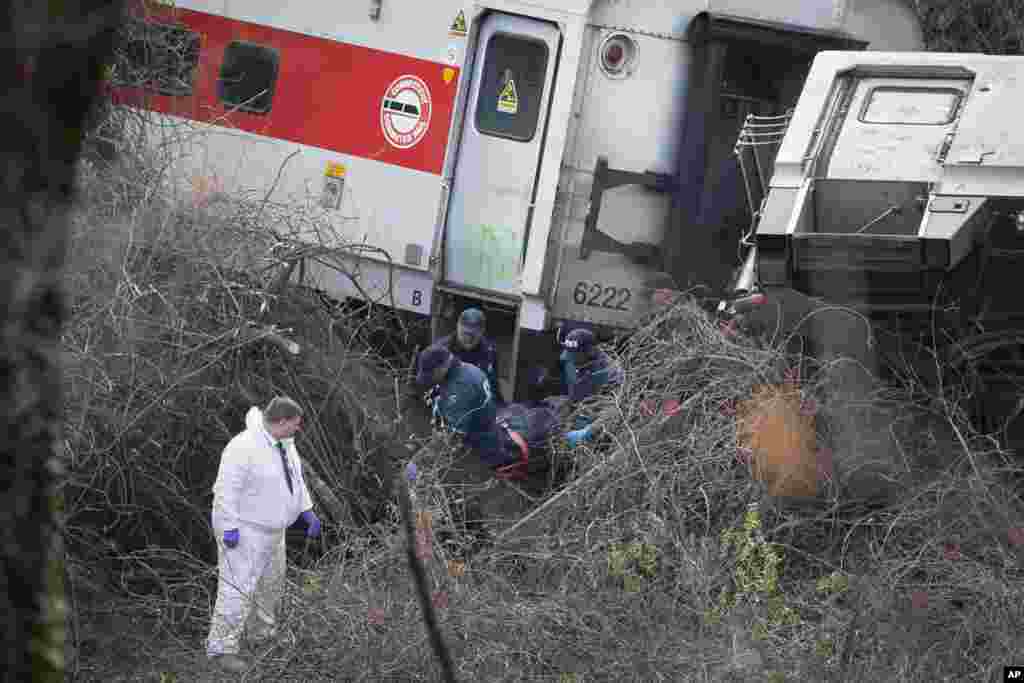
(467, 406)
(484, 356)
(582, 382)
(536, 421)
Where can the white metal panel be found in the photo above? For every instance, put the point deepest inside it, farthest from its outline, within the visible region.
(544, 256)
(382, 205)
(807, 115)
(495, 176)
(604, 289)
(894, 146)
(652, 100)
(410, 27)
(554, 151)
(396, 287)
(800, 219)
(989, 133)
(997, 181)
(533, 313)
(987, 153)
(637, 123)
(468, 64)
(541, 9)
(666, 19)
(219, 7)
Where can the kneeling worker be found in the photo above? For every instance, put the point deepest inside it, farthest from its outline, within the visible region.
(465, 403)
(586, 368)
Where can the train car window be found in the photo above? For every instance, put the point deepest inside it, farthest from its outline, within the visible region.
(400, 108)
(509, 102)
(921, 106)
(248, 77)
(157, 57)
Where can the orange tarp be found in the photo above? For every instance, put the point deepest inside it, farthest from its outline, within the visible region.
(781, 440)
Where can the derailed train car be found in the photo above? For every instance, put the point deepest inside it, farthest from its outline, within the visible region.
(557, 162)
(898, 192)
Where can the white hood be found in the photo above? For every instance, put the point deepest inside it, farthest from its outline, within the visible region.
(254, 419)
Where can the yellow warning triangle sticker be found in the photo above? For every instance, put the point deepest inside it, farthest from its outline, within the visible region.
(508, 100)
(458, 27)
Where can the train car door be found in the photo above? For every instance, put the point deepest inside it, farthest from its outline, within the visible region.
(495, 177)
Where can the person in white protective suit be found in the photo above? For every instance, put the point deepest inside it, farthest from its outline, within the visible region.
(258, 494)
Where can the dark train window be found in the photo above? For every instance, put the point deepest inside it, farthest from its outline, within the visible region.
(398, 107)
(248, 76)
(159, 57)
(509, 101)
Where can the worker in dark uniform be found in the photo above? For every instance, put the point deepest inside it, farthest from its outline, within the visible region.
(586, 368)
(471, 345)
(465, 404)
(463, 400)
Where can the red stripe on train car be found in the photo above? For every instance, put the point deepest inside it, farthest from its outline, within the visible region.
(345, 98)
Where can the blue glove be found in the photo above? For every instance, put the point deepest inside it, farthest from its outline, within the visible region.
(231, 537)
(578, 436)
(312, 523)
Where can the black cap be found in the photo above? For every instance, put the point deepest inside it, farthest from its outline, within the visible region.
(580, 339)
(473, 318)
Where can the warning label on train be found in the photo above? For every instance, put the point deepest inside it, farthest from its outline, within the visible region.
(508, 100)
(458, 27)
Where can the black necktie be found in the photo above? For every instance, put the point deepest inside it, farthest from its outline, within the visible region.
(284, 464)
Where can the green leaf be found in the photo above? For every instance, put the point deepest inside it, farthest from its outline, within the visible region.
(648, 559)
(632, 583)
(833, 583)
(311, 586)
(616, 561)
(752, 520)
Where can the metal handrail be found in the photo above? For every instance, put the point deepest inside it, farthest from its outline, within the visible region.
(758, 132)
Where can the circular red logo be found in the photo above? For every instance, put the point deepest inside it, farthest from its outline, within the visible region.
(405, 111)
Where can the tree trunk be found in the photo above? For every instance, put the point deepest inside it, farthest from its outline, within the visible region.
(53, 62)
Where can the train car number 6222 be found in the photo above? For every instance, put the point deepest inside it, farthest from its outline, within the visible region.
(601, 296)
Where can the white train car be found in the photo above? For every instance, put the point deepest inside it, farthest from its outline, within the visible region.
(555, 161)
(898, 191)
